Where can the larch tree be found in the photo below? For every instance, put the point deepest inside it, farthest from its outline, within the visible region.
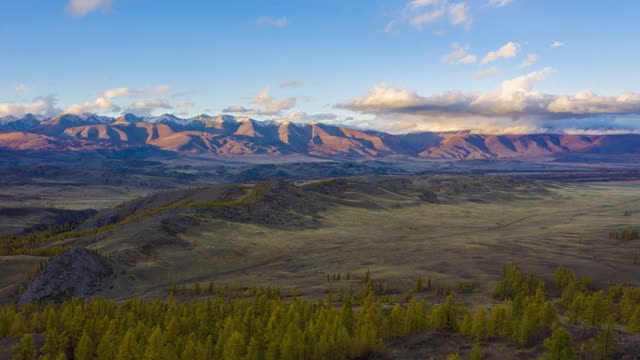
(84, 348)
(560, 346)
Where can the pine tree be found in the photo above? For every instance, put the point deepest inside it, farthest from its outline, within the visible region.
(84, 348)
(605, 342)
(476, 351)
(429, 282)
(154, 346)
(467, 325)
(597, 309)
(633, 325)
(418, 287)
(254, 350)
(479, 326)
(560, 346)
(528, 326)
(51, 343)
(107, 347)
(234, 347)
(190, 351)
(294, 293)
(128, 347)
(25, 350)
(292, 348)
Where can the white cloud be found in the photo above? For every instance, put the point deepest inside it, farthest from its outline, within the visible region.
(270, 105)
(508, 50)
(557, 44)
(301, 116)
(236, 109)
(265, 105)
(490, 72)
(530, 60)
(103, 102)
(83, 7)
(184, 107)
(147, 107)
(427, 17)
(459, 55)
(417, 4)
(280, 22)
(513, 106)
(499, 3)
(460, 14)
(292, 84)
(21, 90)
(418, 13)
(45, 106)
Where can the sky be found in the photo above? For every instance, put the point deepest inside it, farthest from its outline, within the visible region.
(490, 66)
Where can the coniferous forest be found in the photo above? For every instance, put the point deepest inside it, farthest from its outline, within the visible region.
(262, 323)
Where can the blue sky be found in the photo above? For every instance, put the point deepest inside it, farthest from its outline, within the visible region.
(393, 65)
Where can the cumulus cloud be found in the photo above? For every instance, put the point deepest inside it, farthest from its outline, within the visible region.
(280, 22)
(499, 3)
(104, 102)
(147, 107)
(270, 105)
(293, 84)
(459, 55)
(556, 44)
(530, 60)
(490, 72)
(508, 50)
(514, 106)
(44, 105)
(265, 104)
(83, 7)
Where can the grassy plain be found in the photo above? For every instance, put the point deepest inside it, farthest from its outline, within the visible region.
(467, 237)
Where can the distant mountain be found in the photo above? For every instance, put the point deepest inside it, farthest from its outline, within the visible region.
(227, 135)
(26, 122)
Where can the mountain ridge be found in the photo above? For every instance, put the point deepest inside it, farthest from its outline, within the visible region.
(207, 135)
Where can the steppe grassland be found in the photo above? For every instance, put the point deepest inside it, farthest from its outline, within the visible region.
(399, 239)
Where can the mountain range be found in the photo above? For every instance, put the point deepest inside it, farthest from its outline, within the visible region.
(224, 135)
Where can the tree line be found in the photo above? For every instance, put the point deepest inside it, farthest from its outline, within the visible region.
(232, 323)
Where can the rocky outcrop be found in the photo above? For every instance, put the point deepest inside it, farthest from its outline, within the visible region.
(76, 273)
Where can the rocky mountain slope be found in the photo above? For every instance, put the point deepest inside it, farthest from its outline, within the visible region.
(228, 135)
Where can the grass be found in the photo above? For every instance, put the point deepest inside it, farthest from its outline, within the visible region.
(397, 237)
(465, 242)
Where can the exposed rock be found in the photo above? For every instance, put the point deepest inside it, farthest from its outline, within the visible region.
(76, 273)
